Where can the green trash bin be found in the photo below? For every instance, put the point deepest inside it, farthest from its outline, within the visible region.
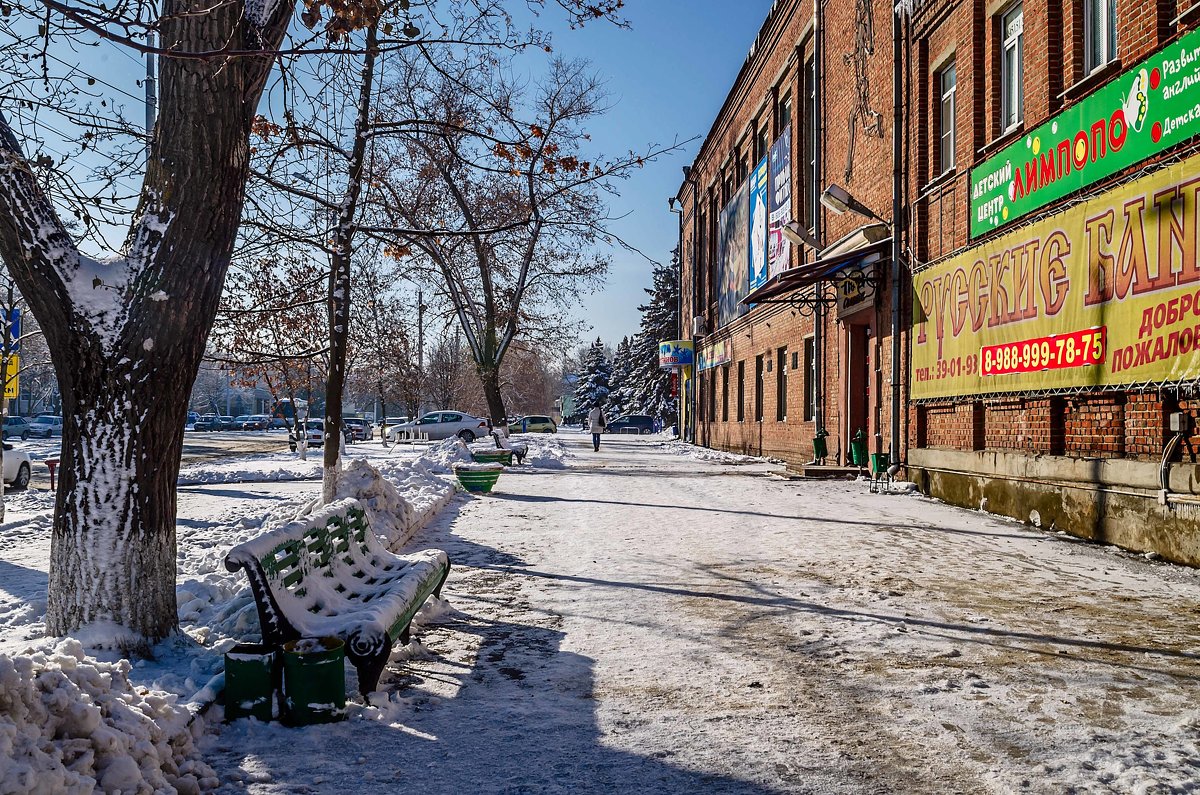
(251, 675)
(314, 681)
(820, 447)
(858, 449)
(880, 462)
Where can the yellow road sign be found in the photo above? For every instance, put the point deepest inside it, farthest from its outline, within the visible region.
(10, 376)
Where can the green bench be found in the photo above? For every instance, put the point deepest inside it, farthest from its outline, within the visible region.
(328, 574)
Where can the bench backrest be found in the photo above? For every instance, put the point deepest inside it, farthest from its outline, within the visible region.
(319, 549)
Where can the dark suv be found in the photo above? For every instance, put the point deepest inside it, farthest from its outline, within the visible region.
(631, 423)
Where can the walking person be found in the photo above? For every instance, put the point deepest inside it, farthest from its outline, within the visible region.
(596, 421)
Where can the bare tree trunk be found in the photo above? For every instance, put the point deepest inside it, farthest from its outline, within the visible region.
(126, 336)
(339, 276)
(489, 377)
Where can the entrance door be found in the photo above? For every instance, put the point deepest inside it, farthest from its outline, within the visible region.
(858, 381)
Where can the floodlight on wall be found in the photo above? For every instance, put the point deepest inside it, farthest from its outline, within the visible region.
(838, 200)
(798, 235)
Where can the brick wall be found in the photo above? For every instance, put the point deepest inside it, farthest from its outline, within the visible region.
(775, 69)
(1094, 426)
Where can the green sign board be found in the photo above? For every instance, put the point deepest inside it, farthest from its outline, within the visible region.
(1146, 110)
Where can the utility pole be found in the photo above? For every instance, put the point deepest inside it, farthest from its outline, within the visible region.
(420, 349)
(151, 88)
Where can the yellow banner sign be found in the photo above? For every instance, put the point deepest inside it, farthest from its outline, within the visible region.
(11, 380)
(1105, 293)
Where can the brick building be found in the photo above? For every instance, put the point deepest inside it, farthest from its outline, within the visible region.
(803, 343)
(1053, 213)
(1045, 246)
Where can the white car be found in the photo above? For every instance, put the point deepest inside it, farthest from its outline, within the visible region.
(46, 426)
(443, 425)
(16, 467)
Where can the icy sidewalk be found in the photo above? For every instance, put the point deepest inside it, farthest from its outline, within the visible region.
(646, 622)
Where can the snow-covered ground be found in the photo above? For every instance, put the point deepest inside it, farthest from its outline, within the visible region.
(642, 620)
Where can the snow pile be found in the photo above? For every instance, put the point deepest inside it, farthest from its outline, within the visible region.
(390, 515)
(715, 456)
(545, 451)
(444, 456)
(69, 724)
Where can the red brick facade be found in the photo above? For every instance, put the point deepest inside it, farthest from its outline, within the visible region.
(1083, 460)
(848, 387)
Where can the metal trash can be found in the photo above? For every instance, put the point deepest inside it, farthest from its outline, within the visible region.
(880, 462)
(820, 447)
(251, 675)
(314, 681)
(858, 449)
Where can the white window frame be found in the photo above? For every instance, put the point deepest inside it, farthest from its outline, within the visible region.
(1099, 15)
(1012, 67)
(947, 128)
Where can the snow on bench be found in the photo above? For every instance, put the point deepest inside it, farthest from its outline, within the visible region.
(328, 574)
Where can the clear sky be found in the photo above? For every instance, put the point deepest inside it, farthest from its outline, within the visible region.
(668, 76)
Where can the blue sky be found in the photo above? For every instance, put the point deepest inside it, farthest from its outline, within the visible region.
(667, 76)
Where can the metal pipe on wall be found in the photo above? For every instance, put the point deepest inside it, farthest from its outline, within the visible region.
(818, 212)
(898, 64)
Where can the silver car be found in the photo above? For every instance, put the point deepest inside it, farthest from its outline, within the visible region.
(443, 425)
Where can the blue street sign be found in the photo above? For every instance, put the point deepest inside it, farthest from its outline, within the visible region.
(14, 330)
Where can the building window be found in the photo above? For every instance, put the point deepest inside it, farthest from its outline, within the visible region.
(810, 379)
(1012, 73)
(1099, 33)
(783, 116)
(761, 142)
(758, 388)
(741, 392)
(947, 81)
(725, 393)
(781, 374)
(700, 382)
(712, 397)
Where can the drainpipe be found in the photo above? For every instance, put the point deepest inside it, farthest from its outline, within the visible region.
(814, 197)
(898, 65)
(689, 394)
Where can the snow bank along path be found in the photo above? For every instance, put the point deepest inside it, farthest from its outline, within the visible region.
(72, 723)
(648, 622)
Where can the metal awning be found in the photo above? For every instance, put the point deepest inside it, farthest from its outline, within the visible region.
(861, 246)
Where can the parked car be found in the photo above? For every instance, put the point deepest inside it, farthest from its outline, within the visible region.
(443, 425)
(16, 426)
(313, 430)
(207, 422)
(534, 423)
(45, 426)
(256, 422)
(360, 430)
(631, 423)
(192, 418)
(16, 467)
(224, 423)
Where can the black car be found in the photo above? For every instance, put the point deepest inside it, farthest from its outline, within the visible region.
(631, 423)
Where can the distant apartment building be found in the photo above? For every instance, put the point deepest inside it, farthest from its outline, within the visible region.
(1046, 213)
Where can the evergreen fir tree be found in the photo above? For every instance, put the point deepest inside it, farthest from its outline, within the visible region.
(593, 387)
(648, 388)
(620, 383)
